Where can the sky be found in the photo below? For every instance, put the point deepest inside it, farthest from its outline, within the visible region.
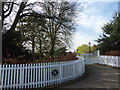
(90, 21)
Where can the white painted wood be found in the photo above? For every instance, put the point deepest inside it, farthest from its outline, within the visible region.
(36, 75)
(1, 75)
(5, 71)
(28, 75)
(22, 75)
(14, 78)
(39, 75)
(8, 82)
(31, 75)
(17, 77)
(48, 74)
(110, 60)
(45, 74)
(11, 78)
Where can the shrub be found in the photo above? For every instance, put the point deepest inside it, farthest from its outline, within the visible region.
(68, 57)
(113, 53)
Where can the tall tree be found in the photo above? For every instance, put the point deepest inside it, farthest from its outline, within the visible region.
(110, 39)
(33, 33)
(61, 29)
(48, 36)
(20, 10)
(10, 36)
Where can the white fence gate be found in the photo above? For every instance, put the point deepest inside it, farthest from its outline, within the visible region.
(90, 58)
(39, 74)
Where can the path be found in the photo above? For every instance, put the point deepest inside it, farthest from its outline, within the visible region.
(98, 76)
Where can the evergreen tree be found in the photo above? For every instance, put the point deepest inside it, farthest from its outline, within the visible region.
(110, 39)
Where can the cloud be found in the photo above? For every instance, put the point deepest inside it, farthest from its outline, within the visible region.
(90, 21)
(80, 38)
(93, 0)
(91, 18)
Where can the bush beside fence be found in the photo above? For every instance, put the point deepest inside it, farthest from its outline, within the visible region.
(39, 74)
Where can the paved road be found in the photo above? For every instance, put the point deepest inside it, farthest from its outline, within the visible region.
(98, 76)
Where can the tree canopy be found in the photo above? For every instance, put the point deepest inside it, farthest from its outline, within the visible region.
(110, 39)
(46, 32)
(84, 48)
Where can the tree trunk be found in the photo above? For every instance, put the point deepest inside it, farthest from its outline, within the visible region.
(33, 47)
(52, 48)
(40, 47)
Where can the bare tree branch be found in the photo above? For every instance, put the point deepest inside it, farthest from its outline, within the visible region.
(10, 8)
(21, 8)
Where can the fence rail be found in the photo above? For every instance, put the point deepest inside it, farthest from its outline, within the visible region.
(45, 74)
(113, 61)
(39, 74)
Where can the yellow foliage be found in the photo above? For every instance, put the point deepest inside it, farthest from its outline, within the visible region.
(85, 49)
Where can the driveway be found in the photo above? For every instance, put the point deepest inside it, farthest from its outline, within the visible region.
(98, 76)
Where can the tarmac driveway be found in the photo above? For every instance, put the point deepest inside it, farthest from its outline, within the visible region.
(98, 76)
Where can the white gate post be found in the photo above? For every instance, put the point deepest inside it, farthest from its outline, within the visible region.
(98, 53)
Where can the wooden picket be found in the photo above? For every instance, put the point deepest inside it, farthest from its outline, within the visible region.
(95, 58)
(113, 61)
(39, 74)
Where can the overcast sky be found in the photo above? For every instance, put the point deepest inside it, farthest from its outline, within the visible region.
(91, 20)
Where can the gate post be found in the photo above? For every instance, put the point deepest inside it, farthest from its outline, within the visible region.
(98, 53)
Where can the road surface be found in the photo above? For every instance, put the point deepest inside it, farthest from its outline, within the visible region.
(98, 76)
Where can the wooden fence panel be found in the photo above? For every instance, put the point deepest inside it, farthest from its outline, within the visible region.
(110, 60)
(39, 74)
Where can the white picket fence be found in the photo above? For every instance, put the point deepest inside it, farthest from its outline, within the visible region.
(39, 74)
(113, 61)
(45, 74)
(90, 58)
